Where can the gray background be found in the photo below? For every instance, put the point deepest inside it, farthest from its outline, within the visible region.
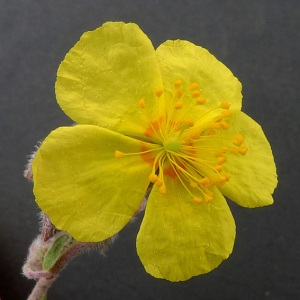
(257, 40)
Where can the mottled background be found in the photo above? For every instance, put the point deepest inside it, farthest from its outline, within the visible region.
(257, 40)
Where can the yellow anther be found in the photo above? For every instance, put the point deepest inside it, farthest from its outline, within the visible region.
(225, 105)
(222, 180)
(194, 86)
(119, 154)
(227, 176)
(162, 189)
(200, 101)
(159, 92)
(178, 94)
(226, 113)
(178, 83)
(221, 159)
(159, 182)
(211, 132)
(193, 184)
(153, 177)
(224, 125)
(196, 135)
(178, 105)
(195, 94)
(238, 140)
(198, 200)
(204, 182)
(142, 103)
(234, 150)
(189, 123)
(208, 198)
(243, 150)
(218, 168)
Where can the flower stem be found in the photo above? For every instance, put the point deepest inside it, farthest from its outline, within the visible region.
(40, 290)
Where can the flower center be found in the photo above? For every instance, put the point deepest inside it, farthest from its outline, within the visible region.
(191, 150)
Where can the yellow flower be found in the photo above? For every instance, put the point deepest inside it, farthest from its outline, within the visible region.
(169, 118)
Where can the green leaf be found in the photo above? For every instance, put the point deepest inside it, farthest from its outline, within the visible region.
(54, 253)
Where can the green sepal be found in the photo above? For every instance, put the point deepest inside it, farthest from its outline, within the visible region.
(54, 253)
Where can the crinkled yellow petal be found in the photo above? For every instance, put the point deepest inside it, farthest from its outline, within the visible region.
(105, 75)
(182, 60)
(253, 176)
(82, 187)
(179, 238)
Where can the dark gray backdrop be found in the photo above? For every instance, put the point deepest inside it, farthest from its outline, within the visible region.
(257, 40)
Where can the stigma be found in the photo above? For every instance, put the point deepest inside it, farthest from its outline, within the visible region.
(189, 150)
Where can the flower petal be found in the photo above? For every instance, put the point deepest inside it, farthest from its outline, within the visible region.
(253, 176)
(182, 60)
(82, 187)
(105, 75)
(179, 239)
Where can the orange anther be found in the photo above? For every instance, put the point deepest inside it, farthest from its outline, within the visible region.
(178, 105)
(238, 140)
(218, 168)
(198, 200)
(221, 159)
(243, 150)
(119, 154)
(159, 92)
(142, 103)
(193, 184)
(195, 94)
(178, 94)
(162, 189)
(200, 101)
(194, 86)
(225, 105)
(153, 177)
(178, 83)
